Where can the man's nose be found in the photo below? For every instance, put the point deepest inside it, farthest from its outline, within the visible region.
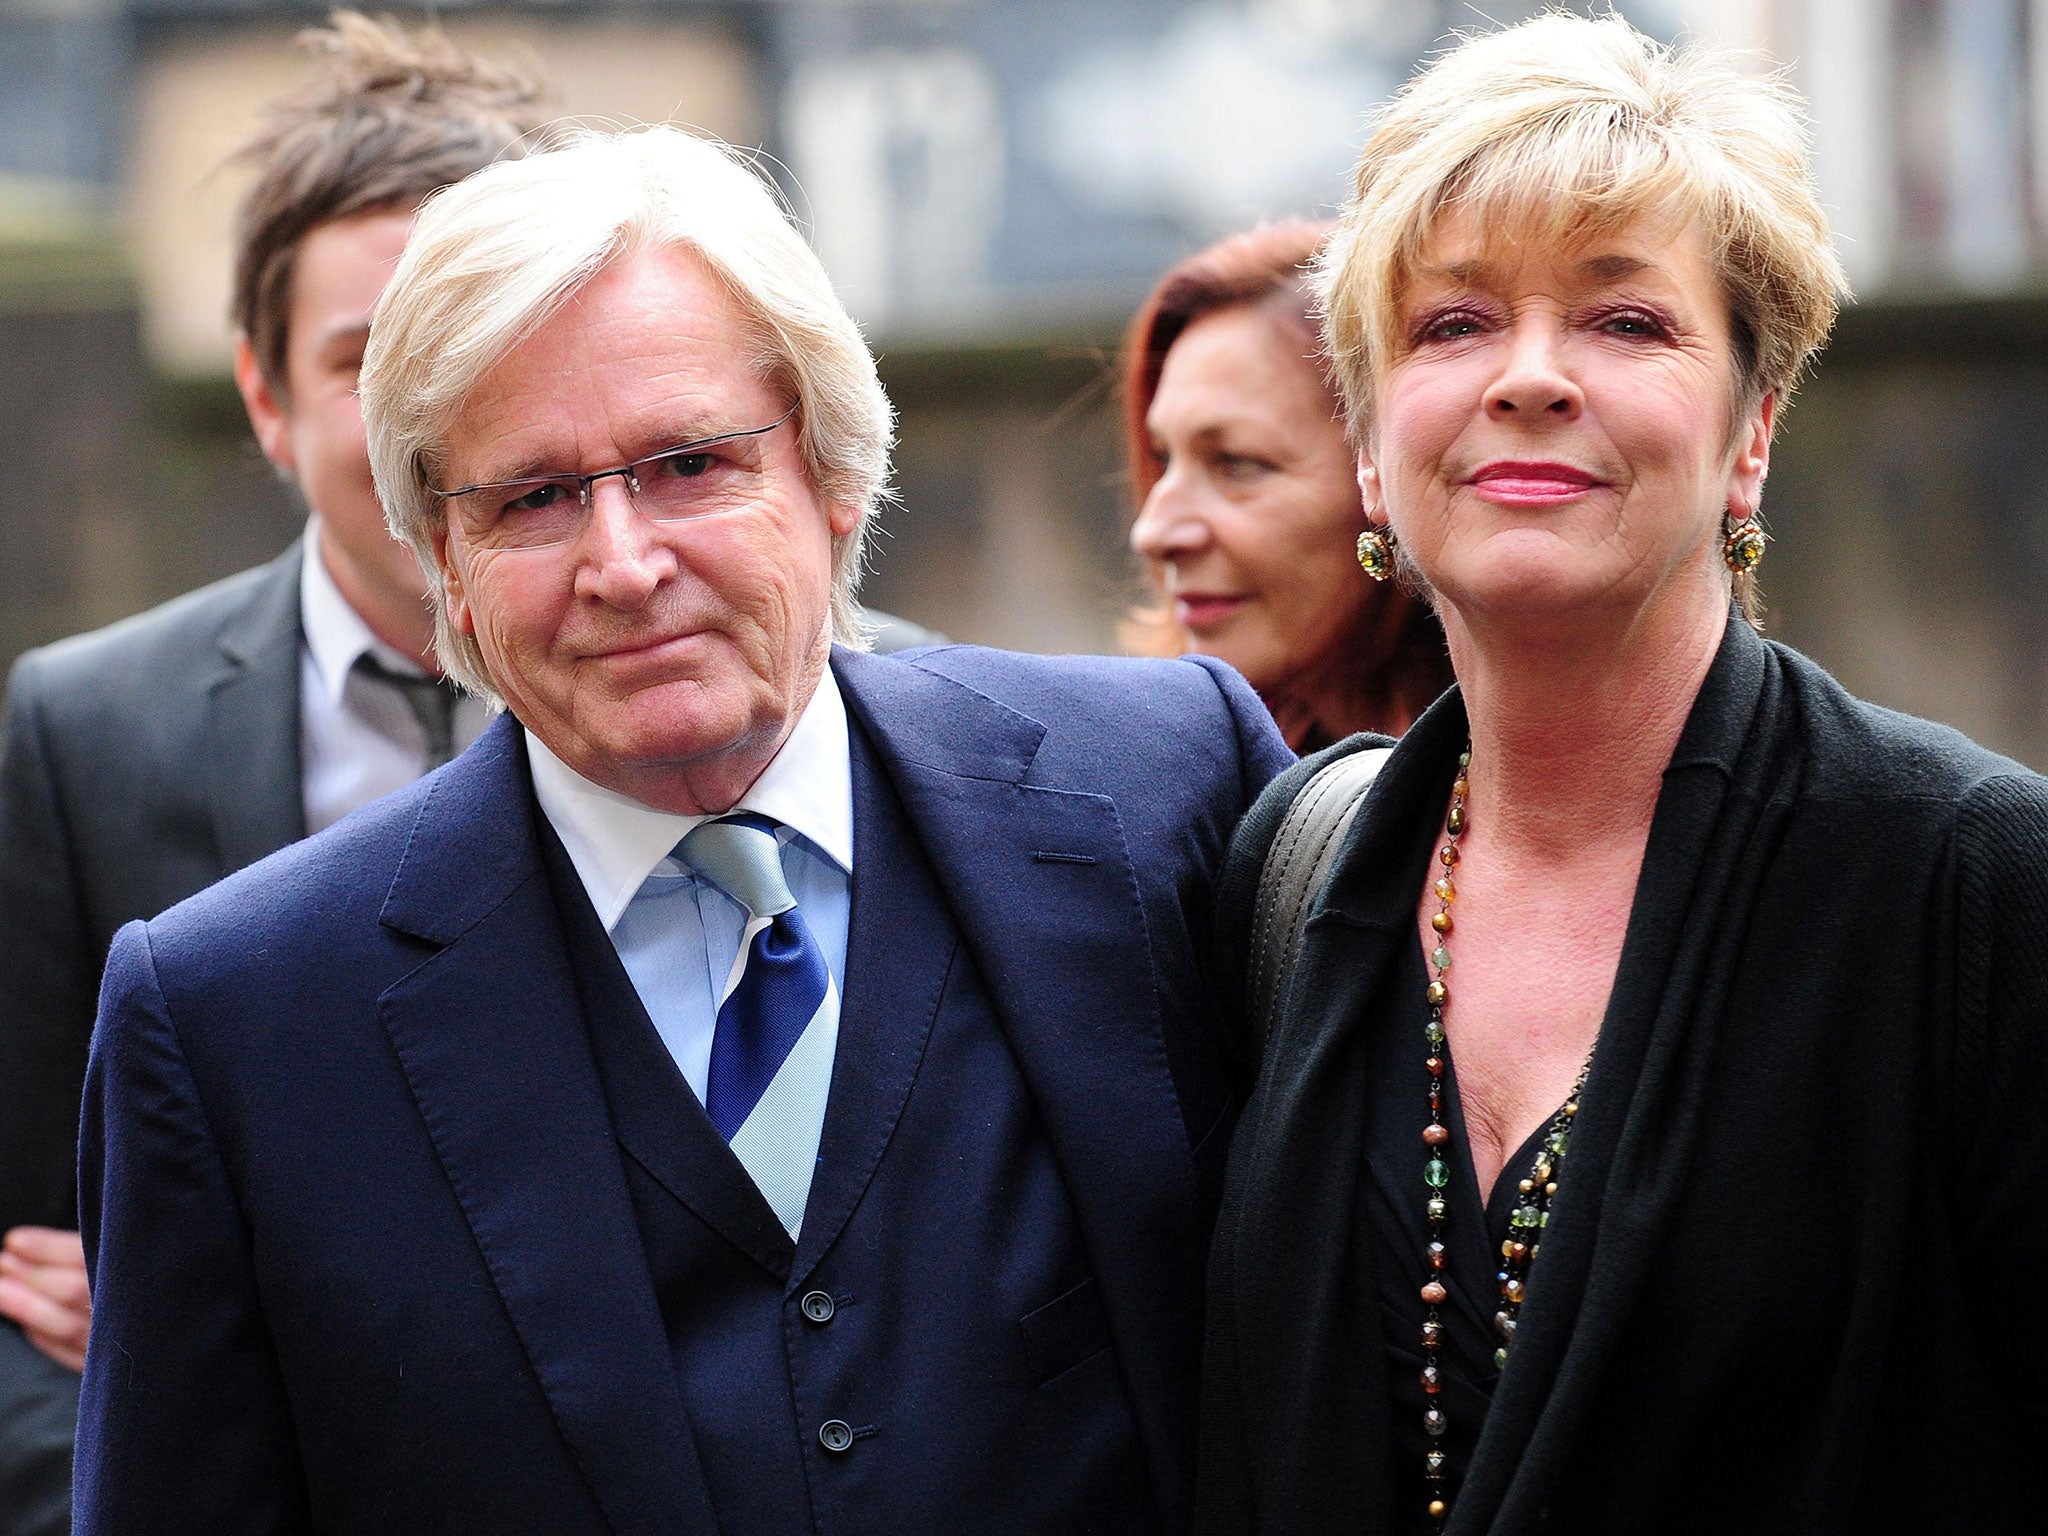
(621, 557)
(1534, 382)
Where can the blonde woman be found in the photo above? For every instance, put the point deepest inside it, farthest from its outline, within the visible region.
(1650, 1134)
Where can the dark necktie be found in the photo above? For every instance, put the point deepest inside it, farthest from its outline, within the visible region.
(431, 700)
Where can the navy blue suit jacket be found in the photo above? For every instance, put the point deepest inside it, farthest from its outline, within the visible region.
(364, 1256)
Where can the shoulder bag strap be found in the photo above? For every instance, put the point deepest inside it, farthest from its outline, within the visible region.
(1297, 867)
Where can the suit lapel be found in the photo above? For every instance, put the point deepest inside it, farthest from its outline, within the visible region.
(900, 949)
(252, 768)
(657, 1117)
(1042, 884)
(490, 1033)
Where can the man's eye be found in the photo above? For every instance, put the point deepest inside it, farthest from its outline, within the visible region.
(541, 497)
(681, 466)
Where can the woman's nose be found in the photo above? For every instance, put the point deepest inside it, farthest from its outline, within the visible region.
(621, 556)
(1170, 524)
(1533, 383)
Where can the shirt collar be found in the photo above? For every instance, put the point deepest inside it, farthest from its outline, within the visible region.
(615, 841)
(336, 636)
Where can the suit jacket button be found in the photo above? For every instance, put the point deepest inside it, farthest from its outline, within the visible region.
(817, 1306)
(836, 1435)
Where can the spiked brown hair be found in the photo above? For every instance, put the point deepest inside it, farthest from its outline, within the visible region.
(391, 117)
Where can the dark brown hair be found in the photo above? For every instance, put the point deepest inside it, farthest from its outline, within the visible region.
(392, 117)
(1393, 663)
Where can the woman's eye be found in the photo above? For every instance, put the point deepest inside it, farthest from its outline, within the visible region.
(1632, 322)
(1450, 327)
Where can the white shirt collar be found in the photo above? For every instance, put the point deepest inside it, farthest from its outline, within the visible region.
(615, 842)
(336, 636)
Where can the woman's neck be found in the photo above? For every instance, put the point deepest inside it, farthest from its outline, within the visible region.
(1571, 731)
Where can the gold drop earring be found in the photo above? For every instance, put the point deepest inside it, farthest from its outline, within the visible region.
(1742, 544)
(1376, 550)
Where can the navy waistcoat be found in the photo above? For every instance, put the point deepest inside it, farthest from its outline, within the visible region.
(933, 1353)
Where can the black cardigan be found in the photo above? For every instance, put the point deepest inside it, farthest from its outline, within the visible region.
(1797, 1277)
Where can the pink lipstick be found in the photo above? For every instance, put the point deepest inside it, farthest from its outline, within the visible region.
(1526, 483)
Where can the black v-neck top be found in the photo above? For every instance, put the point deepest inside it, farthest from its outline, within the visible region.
(1393, 1196)
(1784, 1289)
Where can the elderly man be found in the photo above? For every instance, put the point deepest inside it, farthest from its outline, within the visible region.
(761, 1087)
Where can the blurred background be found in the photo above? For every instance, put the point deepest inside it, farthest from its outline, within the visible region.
(995, 184)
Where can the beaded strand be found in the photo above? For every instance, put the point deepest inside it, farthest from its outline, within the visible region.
(1525, 1223)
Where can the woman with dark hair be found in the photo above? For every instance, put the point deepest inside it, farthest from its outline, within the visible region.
(1248, 499)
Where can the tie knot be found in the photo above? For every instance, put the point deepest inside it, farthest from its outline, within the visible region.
(432, 702)
(741, 856)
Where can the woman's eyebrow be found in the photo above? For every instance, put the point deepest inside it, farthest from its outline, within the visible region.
(1472, 272)
(1613, 268)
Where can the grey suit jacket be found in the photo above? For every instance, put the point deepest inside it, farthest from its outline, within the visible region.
(139, 764)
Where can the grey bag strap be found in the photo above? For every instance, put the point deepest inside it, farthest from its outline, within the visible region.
(1296, 868)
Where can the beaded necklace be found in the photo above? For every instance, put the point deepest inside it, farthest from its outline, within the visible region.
(1526, 1222)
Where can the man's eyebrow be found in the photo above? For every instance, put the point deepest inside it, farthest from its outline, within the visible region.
(356, 331)
(549, 466)
(680, 437)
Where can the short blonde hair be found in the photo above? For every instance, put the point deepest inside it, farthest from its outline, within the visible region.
(1565, 127)
(492, 259)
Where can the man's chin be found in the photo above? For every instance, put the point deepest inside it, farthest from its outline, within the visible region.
(680, 726)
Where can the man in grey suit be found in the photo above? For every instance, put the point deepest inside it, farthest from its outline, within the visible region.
(146, 761)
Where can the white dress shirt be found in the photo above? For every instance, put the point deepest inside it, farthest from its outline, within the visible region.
(680, 953)
(358, 739)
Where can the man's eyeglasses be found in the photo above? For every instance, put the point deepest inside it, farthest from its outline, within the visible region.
(538, 510)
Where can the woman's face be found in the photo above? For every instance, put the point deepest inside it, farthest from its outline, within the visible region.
(1252, 525)
(1553, 433)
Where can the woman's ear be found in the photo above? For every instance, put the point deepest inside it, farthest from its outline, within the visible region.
(1368, 483)
(1752, 459)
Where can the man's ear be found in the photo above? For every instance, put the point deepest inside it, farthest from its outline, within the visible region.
(454, 599)
(268, 413)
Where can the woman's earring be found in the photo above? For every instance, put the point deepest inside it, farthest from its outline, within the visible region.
(1742, 544)
(1376, 551)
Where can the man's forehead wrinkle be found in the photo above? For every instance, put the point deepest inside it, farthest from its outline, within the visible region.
(627, 368)
(619, 430)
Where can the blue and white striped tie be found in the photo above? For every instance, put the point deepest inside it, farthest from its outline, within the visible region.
(778, 1020)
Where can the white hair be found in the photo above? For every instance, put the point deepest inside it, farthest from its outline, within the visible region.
(494, 257)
